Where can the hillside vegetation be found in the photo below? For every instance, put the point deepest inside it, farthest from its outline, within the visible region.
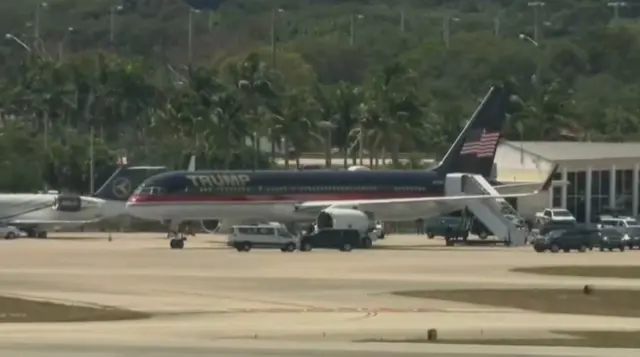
(306, 75)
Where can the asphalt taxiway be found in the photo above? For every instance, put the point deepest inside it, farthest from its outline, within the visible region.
(215, 301)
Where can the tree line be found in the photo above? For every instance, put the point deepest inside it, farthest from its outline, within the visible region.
(330, 77)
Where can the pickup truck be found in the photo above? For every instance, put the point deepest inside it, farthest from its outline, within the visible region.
(554, 215)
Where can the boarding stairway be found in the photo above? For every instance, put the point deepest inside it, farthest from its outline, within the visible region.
(491, 211)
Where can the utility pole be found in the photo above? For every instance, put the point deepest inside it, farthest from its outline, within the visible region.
(274, 37)
(62, 43)
(537, 28)
(112, 23)
(352, 30)
(190, 34)
(616, 5)
(36, 24)
(91, 163)
(402, 20)
(496, 26)
(446, 29)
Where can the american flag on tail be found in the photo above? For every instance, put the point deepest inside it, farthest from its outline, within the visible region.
(481, 143)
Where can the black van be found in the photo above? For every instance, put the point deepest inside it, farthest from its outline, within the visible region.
(343, 239)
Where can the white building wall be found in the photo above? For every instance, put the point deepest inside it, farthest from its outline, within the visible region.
(516, 165)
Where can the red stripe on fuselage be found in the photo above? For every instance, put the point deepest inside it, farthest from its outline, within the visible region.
(274, 198)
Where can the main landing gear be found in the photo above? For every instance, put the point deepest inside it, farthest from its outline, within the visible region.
(178, 236)
(35, 233)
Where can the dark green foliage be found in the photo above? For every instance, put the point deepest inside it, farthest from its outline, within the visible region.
(340, 68)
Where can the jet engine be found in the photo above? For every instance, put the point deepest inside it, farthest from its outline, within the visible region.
(211, 225)
(67, 203)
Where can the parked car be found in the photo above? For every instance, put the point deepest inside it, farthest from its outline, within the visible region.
(613, 238)
(633, 232)
(568, 239)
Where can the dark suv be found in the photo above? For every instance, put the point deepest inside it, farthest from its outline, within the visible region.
(577, 238)
(613, 238)
(634, 236)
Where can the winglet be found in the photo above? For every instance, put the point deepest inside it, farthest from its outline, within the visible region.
(192, 163)
(547, 183)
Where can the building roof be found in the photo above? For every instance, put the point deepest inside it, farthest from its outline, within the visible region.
(577, 150)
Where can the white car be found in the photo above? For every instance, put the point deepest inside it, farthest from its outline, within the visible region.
(9, 232)
(554, 215)
(243, 238)
(619, 222)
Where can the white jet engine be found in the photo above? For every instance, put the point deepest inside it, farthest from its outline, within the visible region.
(343, 218)
(67, 203)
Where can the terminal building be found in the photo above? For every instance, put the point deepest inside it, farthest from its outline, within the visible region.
(593, 178)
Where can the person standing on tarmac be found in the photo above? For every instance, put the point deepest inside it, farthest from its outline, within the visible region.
(420, 226)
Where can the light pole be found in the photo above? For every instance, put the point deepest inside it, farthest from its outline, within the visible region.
(446, 28)
(616, 5)
(538, 56)
(36, 24)
(190, 35)
(402, 20)
(112, 23)
(537, 6)
(352, 28)
(61, 44)
(274, 39)
(18, 41)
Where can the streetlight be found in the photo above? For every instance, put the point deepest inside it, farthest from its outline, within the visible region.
(352, 30)
(18, 41)
(539, 55)
(616, 5)
(274, 39)
(112, 22)
(190, 38)
(62, 42)
(537, 5)
(36, 24)
(446, 28)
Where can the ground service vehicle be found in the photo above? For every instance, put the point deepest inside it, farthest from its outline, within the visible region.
(343, 239)
(244, 238)
(576, 238)
(447, 227)
(348, 219)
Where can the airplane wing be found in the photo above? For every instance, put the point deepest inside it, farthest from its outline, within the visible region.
(379, 204)
(40, 222)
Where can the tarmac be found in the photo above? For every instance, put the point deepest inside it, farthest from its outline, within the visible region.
(214, 301)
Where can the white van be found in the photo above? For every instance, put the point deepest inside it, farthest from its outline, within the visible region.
(243, 238)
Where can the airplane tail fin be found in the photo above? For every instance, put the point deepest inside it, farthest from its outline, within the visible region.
(127, 178)
(192, 163)
(475, 148)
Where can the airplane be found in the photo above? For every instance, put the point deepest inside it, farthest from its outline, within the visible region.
(233, 197)
(36, 213)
